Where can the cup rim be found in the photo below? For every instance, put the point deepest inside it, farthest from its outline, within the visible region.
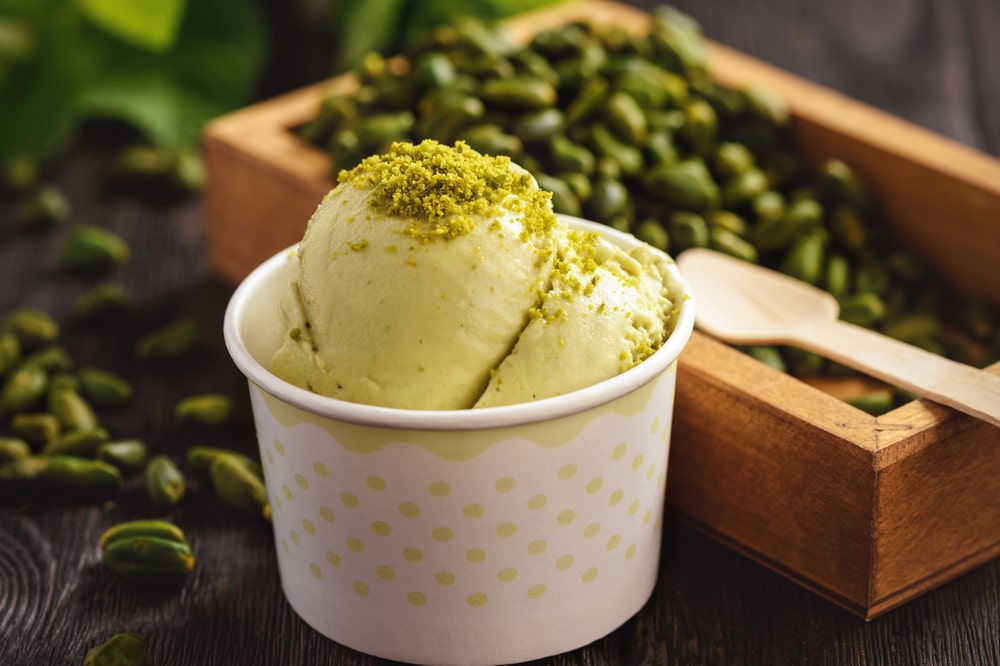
(544, 409)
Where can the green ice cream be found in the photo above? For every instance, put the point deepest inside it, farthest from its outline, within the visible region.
(434, 277)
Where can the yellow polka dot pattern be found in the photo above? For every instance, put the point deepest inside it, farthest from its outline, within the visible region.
(507, 574)
(386, 533)
(439, 489)
(506, 530)
(506, 484)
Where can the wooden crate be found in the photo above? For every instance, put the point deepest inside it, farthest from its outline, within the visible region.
(868, 512)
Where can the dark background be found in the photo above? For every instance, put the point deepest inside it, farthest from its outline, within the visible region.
(933, 62)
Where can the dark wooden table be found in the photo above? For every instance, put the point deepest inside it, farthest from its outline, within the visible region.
(930, 61)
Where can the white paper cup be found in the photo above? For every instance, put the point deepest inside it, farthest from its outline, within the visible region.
(484, 536)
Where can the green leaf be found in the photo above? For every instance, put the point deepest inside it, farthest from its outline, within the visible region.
(148, 24)
(39, 96)
(364, 26)
(212, 69)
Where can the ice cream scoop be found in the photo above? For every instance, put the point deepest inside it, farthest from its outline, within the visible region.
(434, 277)
(604, 311)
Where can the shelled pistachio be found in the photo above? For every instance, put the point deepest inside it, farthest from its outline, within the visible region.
(148, 527)
(874, 402)
(41, 206)
(22, 470)
(72, 410)
(768, 355)
(37, 428)
(101, 300)
(237, 480)
(238, 486)
(158, 166)
(13, 448)
(125, 454)
(165, 482)
(147, 551)
(10, 351)
(92, 248)
(52, 358)
(199, 459)
(123, 649)
(80, 442)
(23, 389)
(32, 327)
(63, 474)
(84, 475)
(204, 409)
(171, 340)
(104, 388)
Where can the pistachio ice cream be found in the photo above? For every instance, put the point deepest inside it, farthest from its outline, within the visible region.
(434, 277)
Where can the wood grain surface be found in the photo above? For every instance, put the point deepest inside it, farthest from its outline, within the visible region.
(929, 61)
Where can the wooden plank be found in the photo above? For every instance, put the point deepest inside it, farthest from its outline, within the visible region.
(789, 480)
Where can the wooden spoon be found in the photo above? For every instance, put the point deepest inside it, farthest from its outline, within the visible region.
(743, 303)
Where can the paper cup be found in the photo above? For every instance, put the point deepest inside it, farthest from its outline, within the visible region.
(484, 536)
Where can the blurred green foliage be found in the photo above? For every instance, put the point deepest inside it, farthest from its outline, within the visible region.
(164, 67)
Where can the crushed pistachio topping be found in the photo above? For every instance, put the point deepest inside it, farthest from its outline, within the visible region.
(443, 190)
